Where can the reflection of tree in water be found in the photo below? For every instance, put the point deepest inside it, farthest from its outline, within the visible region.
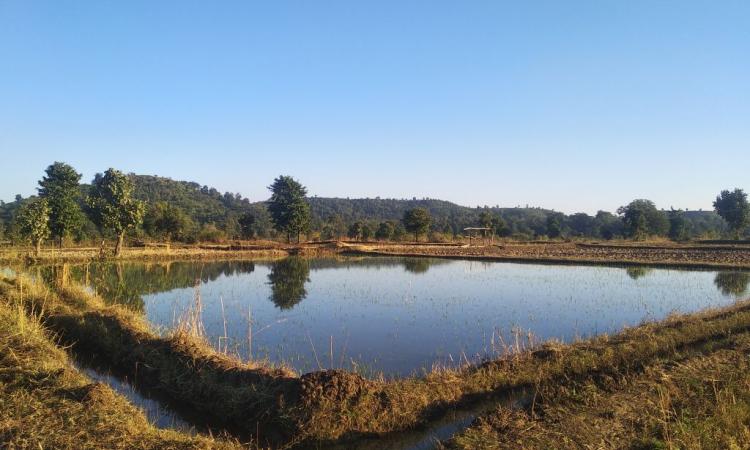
(126, 283)
(732, 283)
(638, 272)
(287, 280)
(417, 265)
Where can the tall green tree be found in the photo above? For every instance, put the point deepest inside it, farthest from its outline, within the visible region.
(733, 207)
(247, 224)
(60, 187)
(166, 221)
(417, 221)
(485, 219)
(32, 222)
(385, 231)
(679, 227)
(642, 219)
(554, 225)
(113, 206)
(355, 231)
(288, 207)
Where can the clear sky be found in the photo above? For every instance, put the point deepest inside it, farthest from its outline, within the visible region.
(571, 105)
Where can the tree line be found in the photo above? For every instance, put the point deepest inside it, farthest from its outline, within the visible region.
(115, 205)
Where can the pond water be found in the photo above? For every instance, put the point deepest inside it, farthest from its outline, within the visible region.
(400, 316)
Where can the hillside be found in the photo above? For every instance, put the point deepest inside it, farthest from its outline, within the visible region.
(217, 214)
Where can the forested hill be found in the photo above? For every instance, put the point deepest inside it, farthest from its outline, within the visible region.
(213, 214)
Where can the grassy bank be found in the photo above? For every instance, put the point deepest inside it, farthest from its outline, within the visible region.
(51, 256)
(652, 254)
(46, 403)
(332, 406)
(699, 400)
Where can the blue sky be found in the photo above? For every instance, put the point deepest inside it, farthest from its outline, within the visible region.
(571, 105)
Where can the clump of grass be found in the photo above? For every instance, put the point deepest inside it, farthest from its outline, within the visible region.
(46, 403)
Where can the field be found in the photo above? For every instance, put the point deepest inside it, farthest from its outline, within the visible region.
(722, 255)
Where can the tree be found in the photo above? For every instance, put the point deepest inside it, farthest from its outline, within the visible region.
(165, 220)
(356, 230)
(385, 231)
(642, 219)
(554, 225)
(366, 232)
(417, 221)
(60, 187)
(289, 209)
(113, 206)
(500, 227)
(733, 207)
(679, 227)
(485, 219)
(32, 222)
(247, 225)
(581, 224)
(607, 225)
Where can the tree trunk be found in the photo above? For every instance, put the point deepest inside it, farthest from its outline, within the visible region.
(37, 247)
(118, 246)
(416, 237)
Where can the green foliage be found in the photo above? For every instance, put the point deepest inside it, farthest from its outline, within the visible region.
(679, 227)
(367, 232)
(607, 225)
(385, 231)
(289, 209)
(167, 221)
(32, 221)
(355, 231)
(554, 225)
(733, 207)
(417, 221)
(581, 225)
(642, 219)
(113, 206)
(247, 225)
(211, 233)
(60, 188)
(485, 219)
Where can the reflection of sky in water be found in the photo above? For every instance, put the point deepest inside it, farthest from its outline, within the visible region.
(392, 319)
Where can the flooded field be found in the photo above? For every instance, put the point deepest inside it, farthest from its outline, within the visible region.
(399, 316)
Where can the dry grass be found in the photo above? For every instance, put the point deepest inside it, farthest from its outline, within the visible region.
(200, 252)
(46, 403)
(622, 253)
(700, 401)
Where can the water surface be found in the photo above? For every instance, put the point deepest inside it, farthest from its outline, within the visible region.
(401, 316)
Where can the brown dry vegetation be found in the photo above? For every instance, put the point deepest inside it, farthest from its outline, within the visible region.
(662, 253)
(692, 400)
(657, 253)
(333, 406)
(46, 403)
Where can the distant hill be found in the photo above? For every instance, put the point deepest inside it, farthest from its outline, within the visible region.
(207, 207)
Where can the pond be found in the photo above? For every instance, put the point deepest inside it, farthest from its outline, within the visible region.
(400, 316)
